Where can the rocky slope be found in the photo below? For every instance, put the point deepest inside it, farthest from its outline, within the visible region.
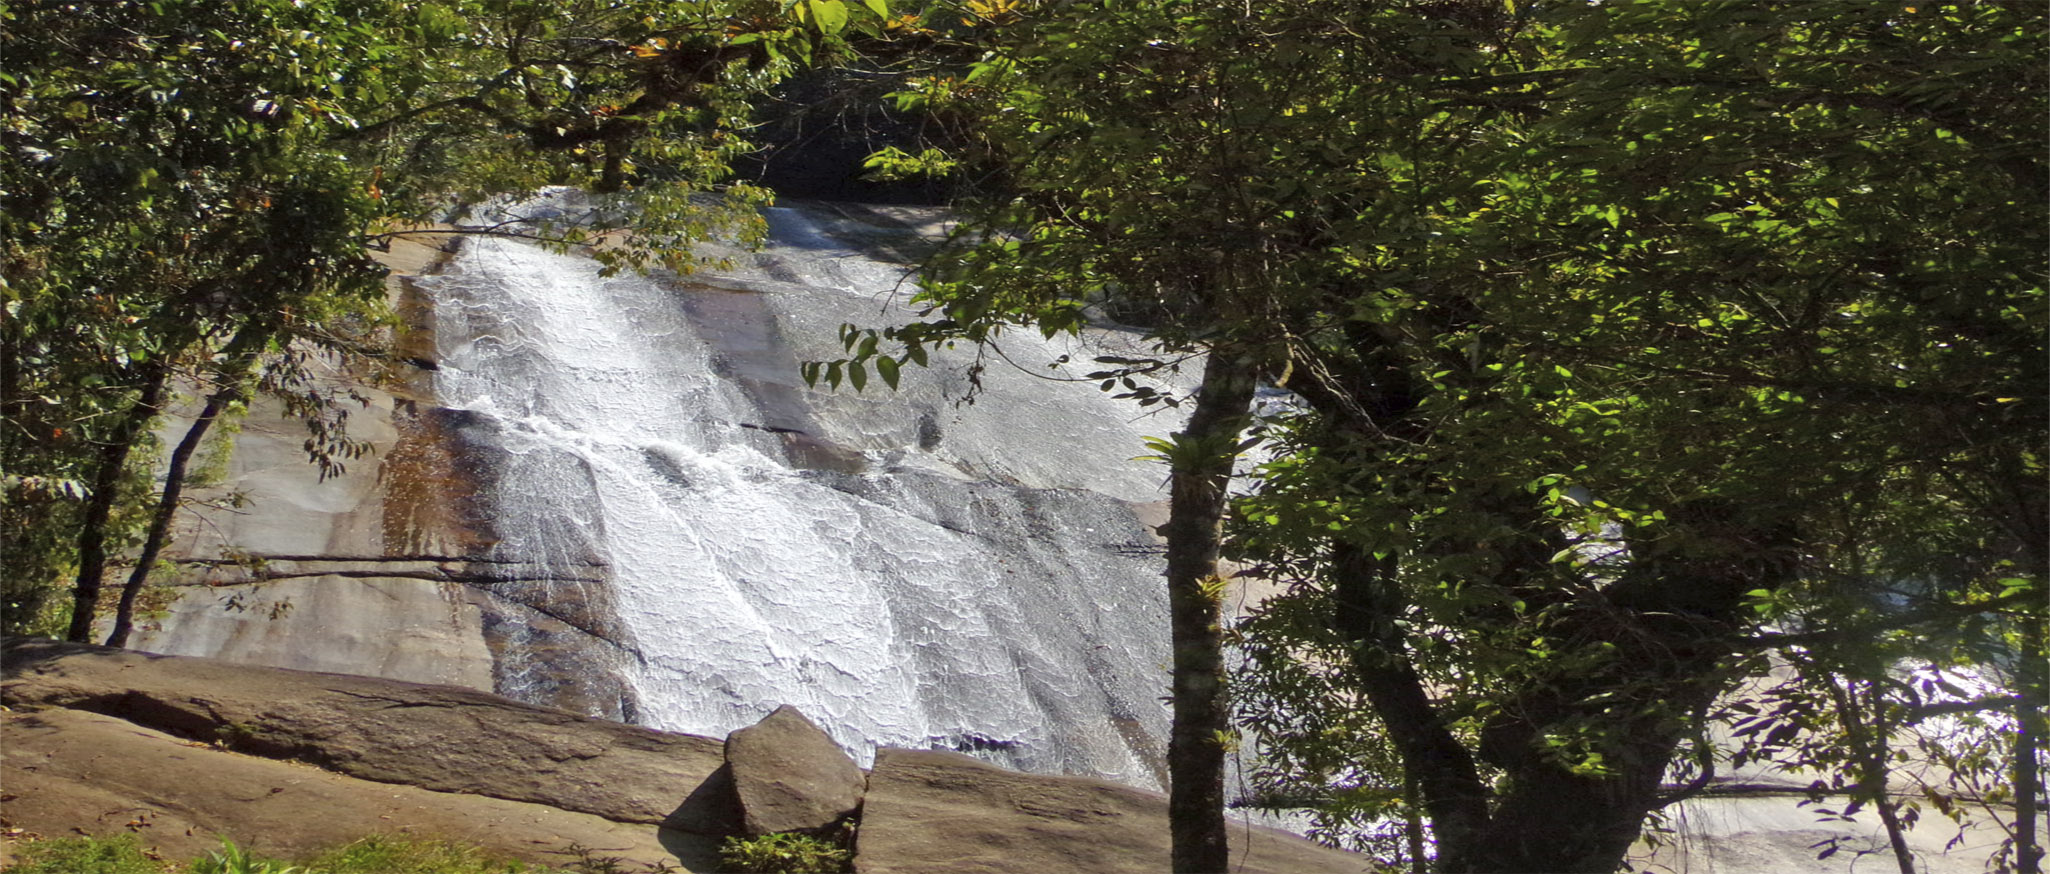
(178, 750)
(384, 570)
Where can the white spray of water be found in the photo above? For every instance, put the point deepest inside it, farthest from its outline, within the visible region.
(905, 570)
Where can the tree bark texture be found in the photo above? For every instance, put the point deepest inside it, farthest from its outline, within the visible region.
(1433, 760)
(1643, 660)
(2029, 719)
(112, 461)
(1200, 475)
(1645, 664)
(233, 378)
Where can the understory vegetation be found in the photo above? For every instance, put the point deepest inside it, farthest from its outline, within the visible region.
(124, 854)
(784, 853)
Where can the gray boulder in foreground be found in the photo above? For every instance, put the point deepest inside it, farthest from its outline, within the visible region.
(790, 776)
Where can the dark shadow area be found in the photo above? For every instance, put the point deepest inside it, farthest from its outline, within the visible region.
(822, 126)
(695, 852)
(712, 810)
(695, 829)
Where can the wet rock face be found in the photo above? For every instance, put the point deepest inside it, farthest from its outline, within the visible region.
(547, 614)
(618, 495)
(790, 777)
(391, 569)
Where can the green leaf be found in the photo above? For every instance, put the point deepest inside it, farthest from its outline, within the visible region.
(830, 15)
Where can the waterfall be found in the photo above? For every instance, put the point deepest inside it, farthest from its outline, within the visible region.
(907, 569)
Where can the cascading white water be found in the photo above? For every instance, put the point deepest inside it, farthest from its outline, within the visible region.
(906, 570)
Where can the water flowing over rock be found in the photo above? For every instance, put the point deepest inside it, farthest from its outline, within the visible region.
(908, 569)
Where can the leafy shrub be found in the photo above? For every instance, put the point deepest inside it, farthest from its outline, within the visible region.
(783, 854)
(231, 859)
(379, 854)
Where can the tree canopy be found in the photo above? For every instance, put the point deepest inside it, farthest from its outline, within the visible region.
(190, 188)
(1669, 378)
(1641, 348)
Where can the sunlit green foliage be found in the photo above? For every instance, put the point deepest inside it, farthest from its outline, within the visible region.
(785, 853)
(1733, 285)
(190, 188)
(1643, 347)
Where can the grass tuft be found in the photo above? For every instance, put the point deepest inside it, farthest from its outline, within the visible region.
(372, 855)
(116, 855)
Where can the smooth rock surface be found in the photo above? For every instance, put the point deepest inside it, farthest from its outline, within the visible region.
(789, 776)
(399, 628)
(386, 569)
(68, 772)
(441, 738)
(937, 811)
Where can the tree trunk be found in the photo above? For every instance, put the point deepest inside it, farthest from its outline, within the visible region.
(1433, 760)
(234, 373)
(1867, 733)
(1201, 472)
(1896, 833)
(113, 460)
(1419, 861)
(1558, 813)
(1643, 663)
(1554, 820)
(2028, 740)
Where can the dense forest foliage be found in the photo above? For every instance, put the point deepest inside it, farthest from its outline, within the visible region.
(1670, 378)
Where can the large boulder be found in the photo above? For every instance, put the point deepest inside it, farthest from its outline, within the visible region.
(790, 776)
(68, 772)
(442, 738)
(106, 740)
(938, 811)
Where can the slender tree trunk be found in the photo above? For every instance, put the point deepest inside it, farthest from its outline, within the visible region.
(113, 459)
(1419, 862)
(11, 401)
(2028, 740)
(1194, 531)
(234, 374)
(1869, 748)
(1896, 834)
